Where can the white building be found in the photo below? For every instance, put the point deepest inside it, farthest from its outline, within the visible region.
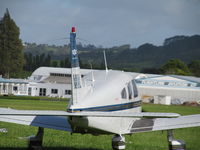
(179, 88)
(52, 82)
(13, 87)
(56, 82)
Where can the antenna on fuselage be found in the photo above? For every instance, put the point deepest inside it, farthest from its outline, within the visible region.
(92, 71)
(92, 77)
(104, 54)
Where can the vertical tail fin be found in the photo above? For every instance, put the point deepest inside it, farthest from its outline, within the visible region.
(75, 69)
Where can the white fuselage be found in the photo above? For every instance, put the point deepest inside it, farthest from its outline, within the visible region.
(105, 91)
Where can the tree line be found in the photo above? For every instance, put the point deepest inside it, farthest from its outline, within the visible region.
(176, 67)
(43, 60)
(16, 58)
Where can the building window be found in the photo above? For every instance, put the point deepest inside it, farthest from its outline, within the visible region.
(15, 88)
(68, 92)
(29, 91)
(54, 91)
(138, 81)
(42, 92)
(124, 94)
(166, 83)
(4, 87)
(60, 75)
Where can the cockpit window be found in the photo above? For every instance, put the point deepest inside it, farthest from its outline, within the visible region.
(123, 94)
(135, 89)
(130, 91)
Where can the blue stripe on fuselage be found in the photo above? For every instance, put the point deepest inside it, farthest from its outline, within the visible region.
(116, 107)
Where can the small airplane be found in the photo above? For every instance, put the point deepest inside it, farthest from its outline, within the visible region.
(103, 102)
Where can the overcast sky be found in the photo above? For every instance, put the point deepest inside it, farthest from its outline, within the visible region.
(104, 22)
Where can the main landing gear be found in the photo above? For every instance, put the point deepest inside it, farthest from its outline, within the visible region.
(175, 144)
(118, 142)
(35, 142)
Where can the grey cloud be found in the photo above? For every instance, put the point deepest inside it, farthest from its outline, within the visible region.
(106, 23)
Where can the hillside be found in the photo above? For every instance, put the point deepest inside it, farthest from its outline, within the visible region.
(185, 48)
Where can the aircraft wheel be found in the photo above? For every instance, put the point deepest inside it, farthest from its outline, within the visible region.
(35, 142)
(175, 144)
(118, 142)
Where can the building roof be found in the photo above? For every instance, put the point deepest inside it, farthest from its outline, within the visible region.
(16, 81)
(170, 81)
(2, 80)
(45, 71)
(188, 78)
(21, 81)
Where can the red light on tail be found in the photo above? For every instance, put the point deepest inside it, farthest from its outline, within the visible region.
(73, 29)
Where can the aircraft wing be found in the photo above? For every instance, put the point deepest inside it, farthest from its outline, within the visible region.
(145, 125)
(59, 119)
(8, 111)
(141, 122)
(52, 122)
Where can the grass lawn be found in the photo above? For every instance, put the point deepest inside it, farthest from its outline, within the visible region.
(60, 140)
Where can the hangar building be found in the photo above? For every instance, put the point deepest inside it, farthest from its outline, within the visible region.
(55, 82)
(179, 88)
(52, 82)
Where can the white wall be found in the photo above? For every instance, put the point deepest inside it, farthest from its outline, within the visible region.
(183, 94)
(49, 86)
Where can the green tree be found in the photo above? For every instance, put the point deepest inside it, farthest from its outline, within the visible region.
(47, 61)
(33, 62)
(42, 59)
(194, 67)
(67, 63)
(175, 66)
(28, 61)
(11, 54)
(62, 63)
(54, 63)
